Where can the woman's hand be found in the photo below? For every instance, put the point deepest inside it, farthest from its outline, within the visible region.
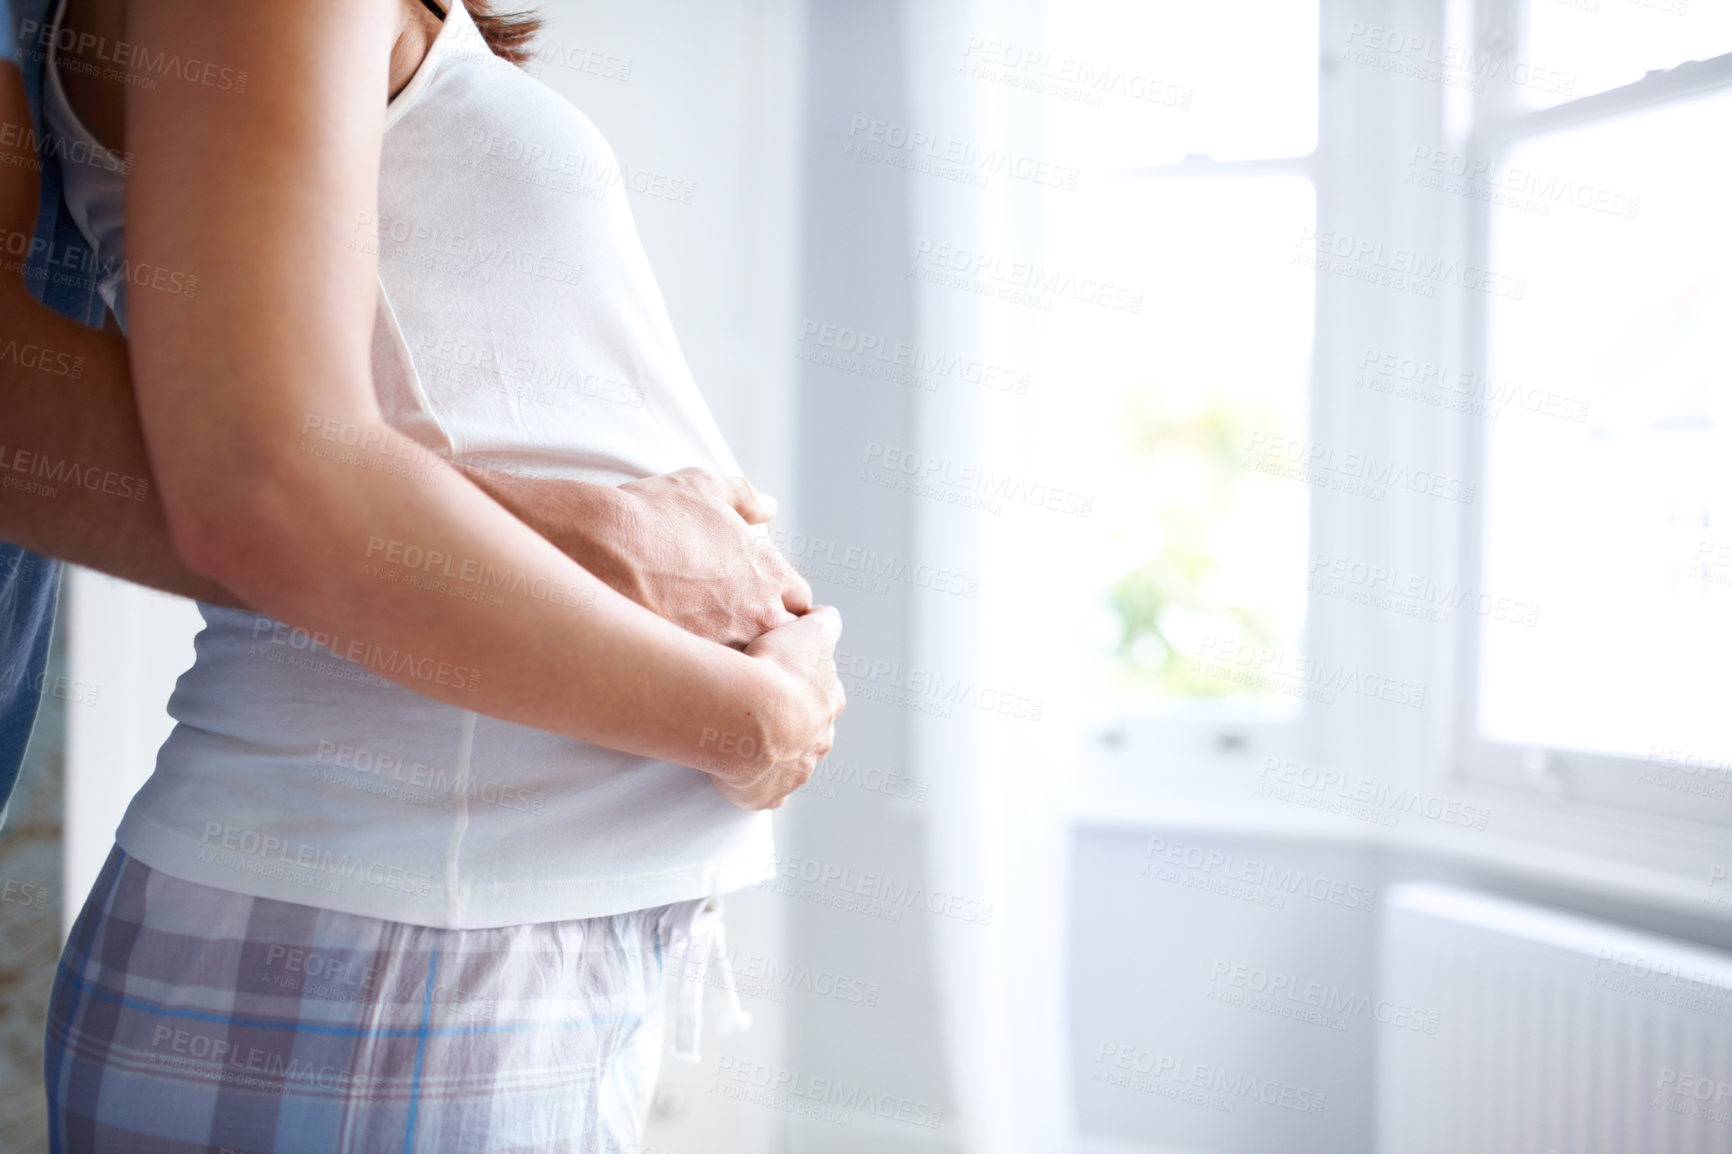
(759, 772)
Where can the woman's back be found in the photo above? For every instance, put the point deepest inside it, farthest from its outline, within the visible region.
(519, 326)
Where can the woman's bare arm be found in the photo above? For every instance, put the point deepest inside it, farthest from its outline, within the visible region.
(239, 384)
(78, 485)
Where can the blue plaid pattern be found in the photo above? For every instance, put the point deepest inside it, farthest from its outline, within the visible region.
(186, 1018)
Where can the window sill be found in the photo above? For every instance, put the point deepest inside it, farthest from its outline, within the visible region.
(1652, 862)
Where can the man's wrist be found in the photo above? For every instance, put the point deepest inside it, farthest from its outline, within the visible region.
(606, 537)
(590, 523)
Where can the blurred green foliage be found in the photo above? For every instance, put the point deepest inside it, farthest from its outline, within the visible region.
(1187, 462)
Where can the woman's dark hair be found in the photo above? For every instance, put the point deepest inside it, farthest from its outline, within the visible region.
(508, 34)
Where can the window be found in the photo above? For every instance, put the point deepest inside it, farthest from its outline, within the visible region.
(1198, 194)
(1598, 45)
(1549, 494)
(1606, 525)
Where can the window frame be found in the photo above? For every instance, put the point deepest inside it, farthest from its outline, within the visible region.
(1574, 778)
(1199, 739)
(1356, 157)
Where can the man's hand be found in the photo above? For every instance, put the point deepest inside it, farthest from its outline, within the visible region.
(680, 545)
(697, 563)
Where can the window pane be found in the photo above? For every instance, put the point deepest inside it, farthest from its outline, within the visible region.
(1603, 44)
(1185, 542)
(1146, 83)
(1618, 525)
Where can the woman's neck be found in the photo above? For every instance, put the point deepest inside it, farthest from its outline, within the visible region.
(417, 30)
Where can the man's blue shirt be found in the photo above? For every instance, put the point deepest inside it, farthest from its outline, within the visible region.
(58, 271)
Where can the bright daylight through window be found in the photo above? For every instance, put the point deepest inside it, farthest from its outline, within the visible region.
(1619, 505)
(1208, 198)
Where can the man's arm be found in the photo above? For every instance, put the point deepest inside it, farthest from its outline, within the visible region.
(76, 482)
(680, 545)
(74, 477)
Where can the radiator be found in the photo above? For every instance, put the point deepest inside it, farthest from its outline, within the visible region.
(1538, 1032)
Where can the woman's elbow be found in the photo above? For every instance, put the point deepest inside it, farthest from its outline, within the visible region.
(244, 533)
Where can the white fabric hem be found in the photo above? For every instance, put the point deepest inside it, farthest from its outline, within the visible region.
(498, 904)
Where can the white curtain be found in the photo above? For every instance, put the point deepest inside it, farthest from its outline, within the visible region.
(994, 832)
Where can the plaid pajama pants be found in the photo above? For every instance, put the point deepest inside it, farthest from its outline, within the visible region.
(186, 1018)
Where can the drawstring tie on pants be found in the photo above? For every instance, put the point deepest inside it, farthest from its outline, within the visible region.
(697, 940)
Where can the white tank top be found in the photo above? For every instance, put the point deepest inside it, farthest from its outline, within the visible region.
(519, 325)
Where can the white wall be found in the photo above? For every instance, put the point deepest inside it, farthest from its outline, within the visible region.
(127, 644)
(1175, 957)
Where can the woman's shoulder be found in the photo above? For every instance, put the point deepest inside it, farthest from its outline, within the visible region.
(487, 106)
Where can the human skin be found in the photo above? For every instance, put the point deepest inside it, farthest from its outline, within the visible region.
(259, 195)
(680, 545)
